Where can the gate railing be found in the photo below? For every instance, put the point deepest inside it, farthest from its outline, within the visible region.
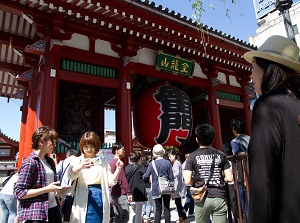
(240, 173)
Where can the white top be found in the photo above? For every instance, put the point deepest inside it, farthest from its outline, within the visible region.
(9, 186)
(62, 165)
(79, 207)
(50, 179)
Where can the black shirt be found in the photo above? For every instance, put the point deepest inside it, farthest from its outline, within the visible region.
(200, 162)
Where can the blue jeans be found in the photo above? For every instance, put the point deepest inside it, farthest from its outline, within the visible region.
(8, 204)
(189, 201)
(137, 207)
(121, 209)
(147, 207)
(243, 194)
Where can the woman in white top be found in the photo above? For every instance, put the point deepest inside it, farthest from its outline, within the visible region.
(93, 175)
(8, 202)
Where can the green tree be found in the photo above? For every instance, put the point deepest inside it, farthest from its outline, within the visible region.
(198, 8)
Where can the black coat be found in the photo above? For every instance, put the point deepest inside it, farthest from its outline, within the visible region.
(134, 174)
(274, 154)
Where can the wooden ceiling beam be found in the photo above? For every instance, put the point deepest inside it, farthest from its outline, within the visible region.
(14, 68)
(18, 42)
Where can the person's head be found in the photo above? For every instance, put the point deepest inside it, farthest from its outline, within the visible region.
(158, 151)
(145, 160)
(135, 157)
(238, 124)
(274, 64)
(173, 155)
(205, 134)
(118, 149)
(186, 156)
(44, 136)
(89, 144)
(71, 152)
(226, 148)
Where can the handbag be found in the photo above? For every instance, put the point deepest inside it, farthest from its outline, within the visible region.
(198, 195)
(66, 207)
(165, 185)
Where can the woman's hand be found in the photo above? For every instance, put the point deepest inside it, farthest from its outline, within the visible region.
(53, 187)
(86, 164)
(119, 164)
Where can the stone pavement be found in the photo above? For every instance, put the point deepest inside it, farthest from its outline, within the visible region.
(174, 214)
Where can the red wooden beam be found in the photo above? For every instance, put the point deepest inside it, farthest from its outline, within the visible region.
(231, 104)
(90, 57)
(146, 70)
(14, 68)
(88, 79)
(18, 42)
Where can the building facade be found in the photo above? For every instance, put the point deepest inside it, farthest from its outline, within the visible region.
(272, 24)
(69, 61)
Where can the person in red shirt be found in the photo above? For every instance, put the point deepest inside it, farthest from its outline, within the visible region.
(120, 193)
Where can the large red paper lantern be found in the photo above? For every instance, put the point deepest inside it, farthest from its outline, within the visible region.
(162, 115)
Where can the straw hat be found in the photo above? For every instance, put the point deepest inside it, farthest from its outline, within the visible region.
(158, 150)
(278, 49)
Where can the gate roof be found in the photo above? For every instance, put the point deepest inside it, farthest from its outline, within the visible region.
(136, 23)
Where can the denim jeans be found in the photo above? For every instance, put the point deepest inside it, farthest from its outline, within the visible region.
(137, 207)
(243, 197)
(8, 204)
(147, 207)
(164, 199)
(121, 209)
(189, 202)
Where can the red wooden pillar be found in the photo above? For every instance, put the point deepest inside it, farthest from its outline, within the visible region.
(124, 117)
(23, 128)
(244, 81)
(101, 123)
(30, 127)
(247, 113)
(214, 116)
(49, 88)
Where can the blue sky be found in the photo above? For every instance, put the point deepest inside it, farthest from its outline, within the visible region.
(241, 25)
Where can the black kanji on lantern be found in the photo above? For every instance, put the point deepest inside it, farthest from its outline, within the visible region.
(176, 112)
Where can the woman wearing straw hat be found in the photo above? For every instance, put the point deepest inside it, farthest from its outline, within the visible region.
(274, 150)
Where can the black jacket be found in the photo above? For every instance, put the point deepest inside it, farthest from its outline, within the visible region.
(134, 173)
(274, 154)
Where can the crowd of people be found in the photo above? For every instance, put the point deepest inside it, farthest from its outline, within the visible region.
(103, 192)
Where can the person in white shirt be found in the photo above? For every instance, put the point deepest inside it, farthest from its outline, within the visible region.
(63, 165)
(8, 202)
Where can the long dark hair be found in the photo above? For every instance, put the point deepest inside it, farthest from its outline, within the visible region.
(277, 76)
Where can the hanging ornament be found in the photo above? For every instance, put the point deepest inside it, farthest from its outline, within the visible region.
(162, 115)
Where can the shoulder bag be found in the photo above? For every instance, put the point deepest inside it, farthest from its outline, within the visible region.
(165, 185)
(197, 195)
(67, 204)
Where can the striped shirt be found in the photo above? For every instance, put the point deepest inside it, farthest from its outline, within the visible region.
(32, 175)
